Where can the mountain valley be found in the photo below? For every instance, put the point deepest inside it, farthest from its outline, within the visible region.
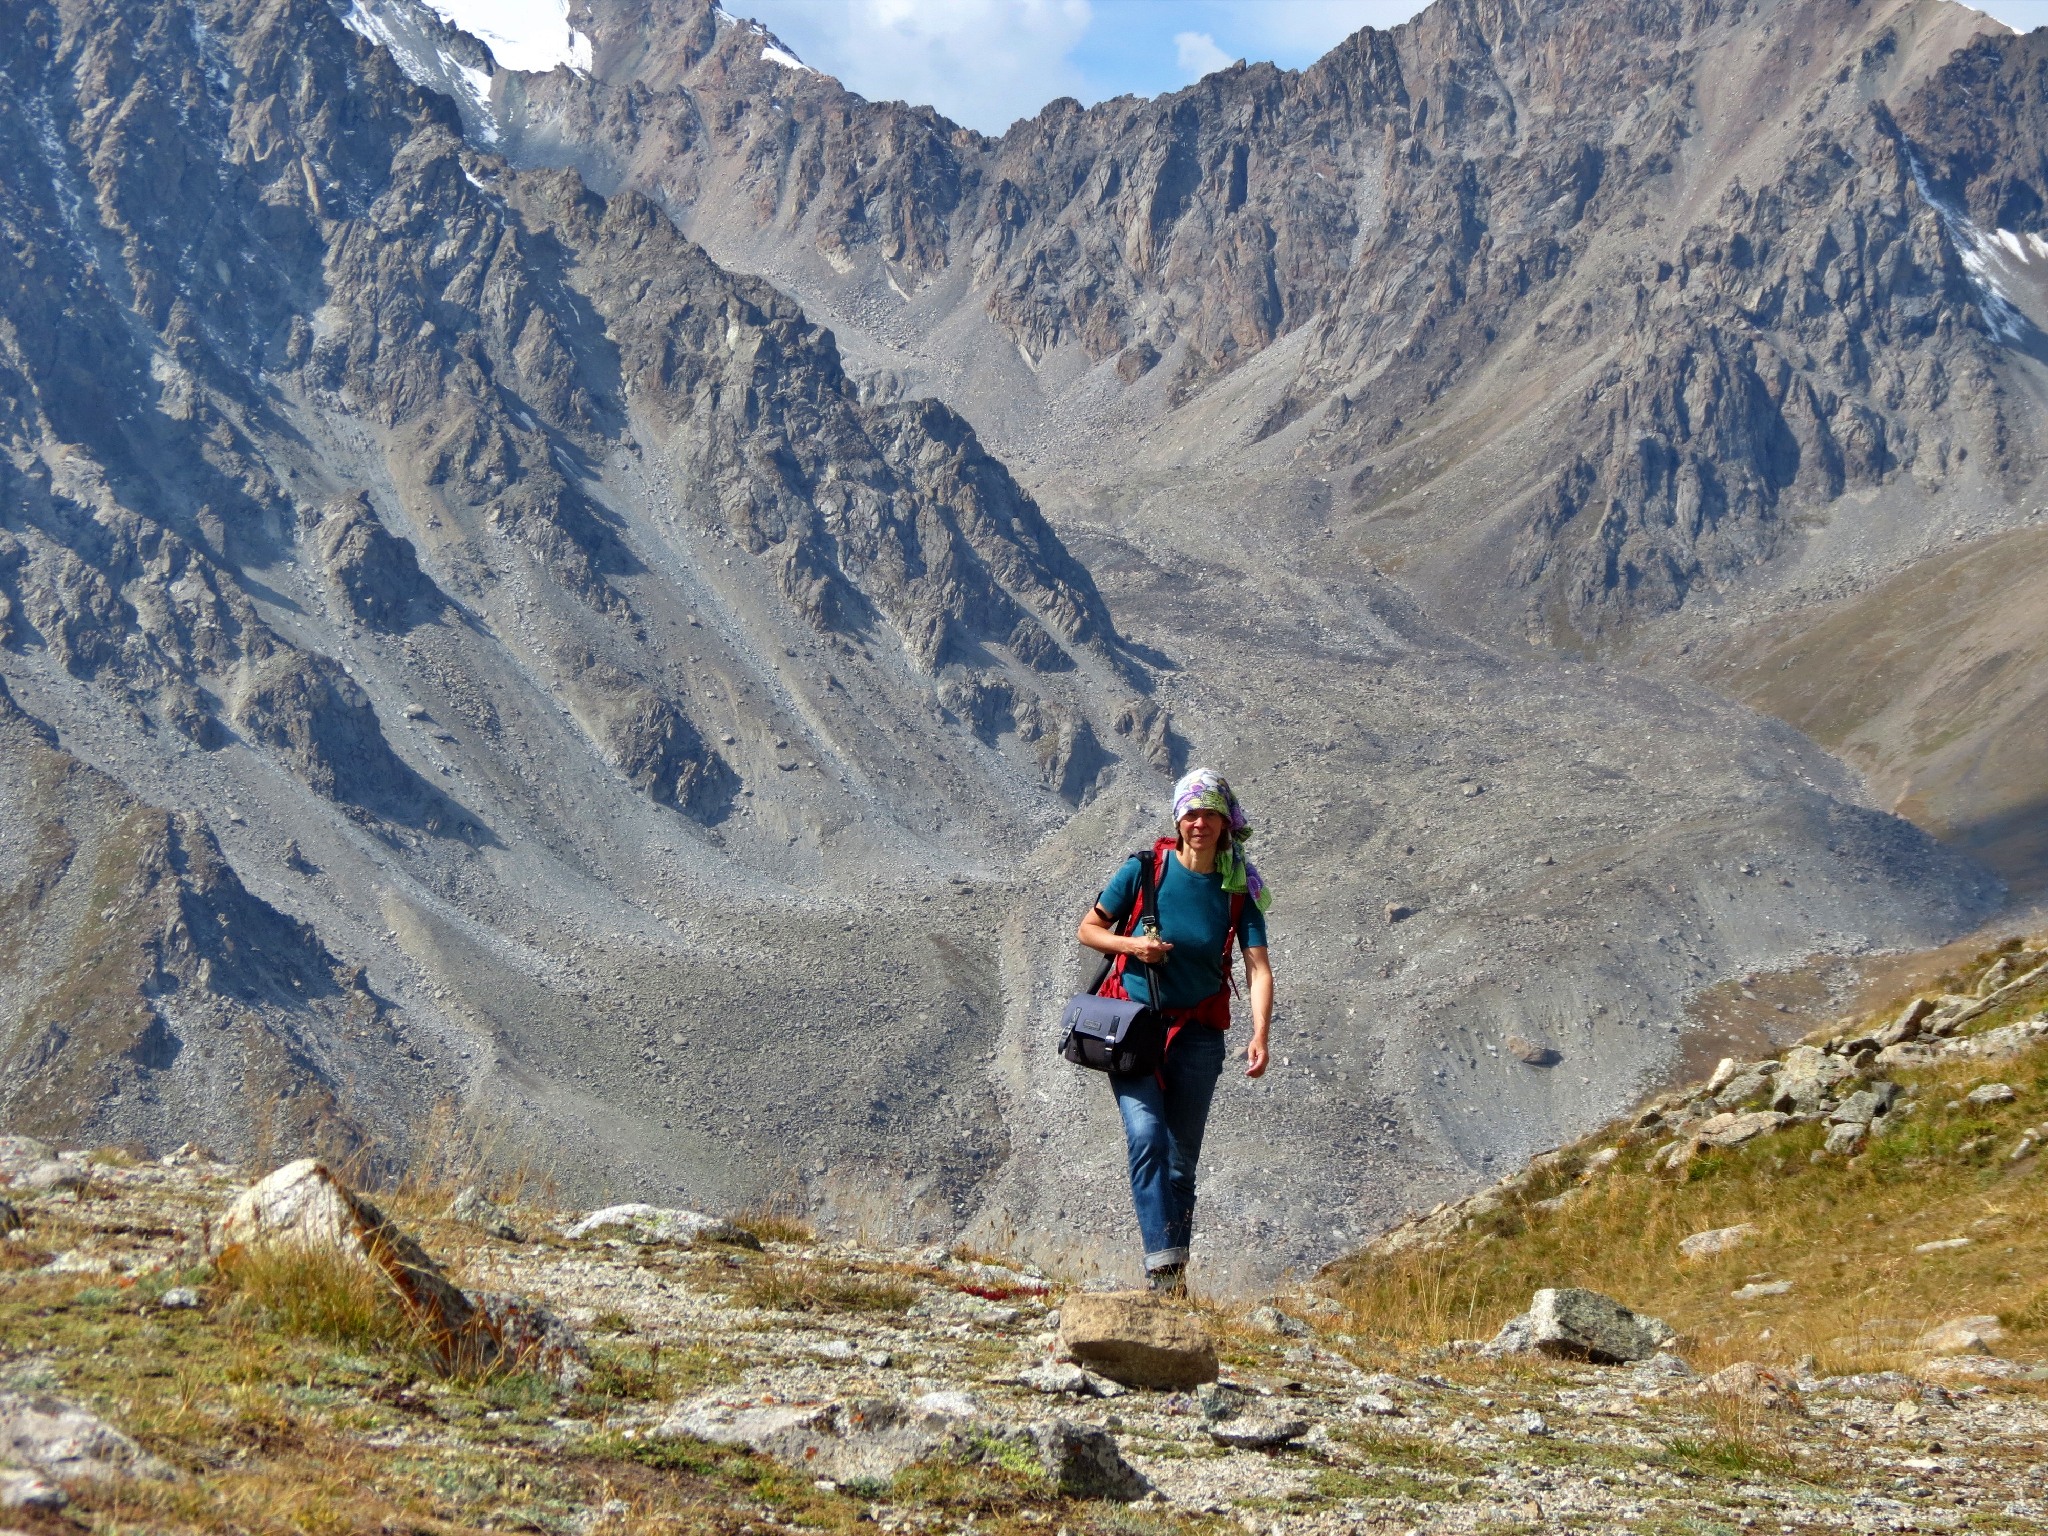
(640, 602)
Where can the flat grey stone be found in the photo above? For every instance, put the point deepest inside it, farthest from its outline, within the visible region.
(1258, 1433)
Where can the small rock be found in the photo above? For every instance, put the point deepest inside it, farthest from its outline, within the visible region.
(1398, 911)
(659, 1226)
(1754, 1384)
(1133, 1338)
(1662, 1369)
(1081, 1461)
(178, 1298)
(1378, 1404)
(838, 1350)
(1845, 1138)
(1962, 1336)
(1529, 1422)
(63, 1441)
(1258, 1434)
(1533, 1053)
(1273, 1320)
(1059, 1377)
(18, 1154)
(1990, 1093)
(1220, 1400)
(880, 1359)
(1703, 1245)
(1727, 1069)
(1760, 1288)
(472, 1208)
(30, 1490)
(54, 1177)
(1941, 1245)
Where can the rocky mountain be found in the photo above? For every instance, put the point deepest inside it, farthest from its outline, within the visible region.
(576, 684)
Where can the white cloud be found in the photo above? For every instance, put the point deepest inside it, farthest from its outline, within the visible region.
(985, 63)
(1199, 54)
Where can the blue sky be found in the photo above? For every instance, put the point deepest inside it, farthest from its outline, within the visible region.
(988, 62)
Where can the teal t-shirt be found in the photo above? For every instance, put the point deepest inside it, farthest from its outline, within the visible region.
(1194, 915)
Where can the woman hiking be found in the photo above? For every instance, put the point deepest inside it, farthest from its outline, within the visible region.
(1209, 898)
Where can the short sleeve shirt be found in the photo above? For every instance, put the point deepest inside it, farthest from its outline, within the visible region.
(1194, 916)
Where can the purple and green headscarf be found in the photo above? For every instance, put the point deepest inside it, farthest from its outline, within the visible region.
(1204, 789)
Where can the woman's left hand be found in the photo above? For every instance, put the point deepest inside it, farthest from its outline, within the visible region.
(1256, 1056)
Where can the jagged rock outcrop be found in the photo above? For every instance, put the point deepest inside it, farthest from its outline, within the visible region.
(1436, 209)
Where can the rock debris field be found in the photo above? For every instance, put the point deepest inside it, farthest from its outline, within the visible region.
(675, 1372)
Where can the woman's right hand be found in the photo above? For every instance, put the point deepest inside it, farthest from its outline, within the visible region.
(1148, 949)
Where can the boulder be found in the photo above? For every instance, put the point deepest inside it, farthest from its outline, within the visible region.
(1989, 1094)
(30, 1490)
(1132, 1337)
(1573, 1324)
(303, 1204)
(654, 1226)
(1717, 1240)
(63, 1441)
(1961, 1336)
(1273, 1320)
(1845, 1138)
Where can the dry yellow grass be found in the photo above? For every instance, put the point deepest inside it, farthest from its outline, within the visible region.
(1846, 1234)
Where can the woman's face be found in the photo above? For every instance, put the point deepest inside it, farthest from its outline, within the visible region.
(1201, 830)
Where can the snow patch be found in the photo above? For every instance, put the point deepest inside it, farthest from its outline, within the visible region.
(785, 58)
(530, 36)
(891, 276)
(1982, 255)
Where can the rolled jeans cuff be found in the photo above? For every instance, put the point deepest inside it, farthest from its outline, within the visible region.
(1166, 1258)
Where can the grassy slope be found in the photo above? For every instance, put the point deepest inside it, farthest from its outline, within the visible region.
(1843, 1231)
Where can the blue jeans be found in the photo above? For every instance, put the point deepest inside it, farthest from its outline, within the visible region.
(1163, 1130)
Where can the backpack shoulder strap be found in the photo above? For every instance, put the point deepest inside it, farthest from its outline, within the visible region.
(1230, 940)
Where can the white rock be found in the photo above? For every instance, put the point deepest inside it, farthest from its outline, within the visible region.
(1703, 1245)
(653, 1224)
(64, 1441)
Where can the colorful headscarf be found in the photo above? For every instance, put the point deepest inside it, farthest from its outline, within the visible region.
(1204, 789)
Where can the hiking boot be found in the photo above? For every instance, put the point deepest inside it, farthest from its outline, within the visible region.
(1169, 1280)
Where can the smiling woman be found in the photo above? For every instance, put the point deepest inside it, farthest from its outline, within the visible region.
(1205, 897)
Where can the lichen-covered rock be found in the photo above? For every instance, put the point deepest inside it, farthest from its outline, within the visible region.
(1570, 1323)
(1718, 1240)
